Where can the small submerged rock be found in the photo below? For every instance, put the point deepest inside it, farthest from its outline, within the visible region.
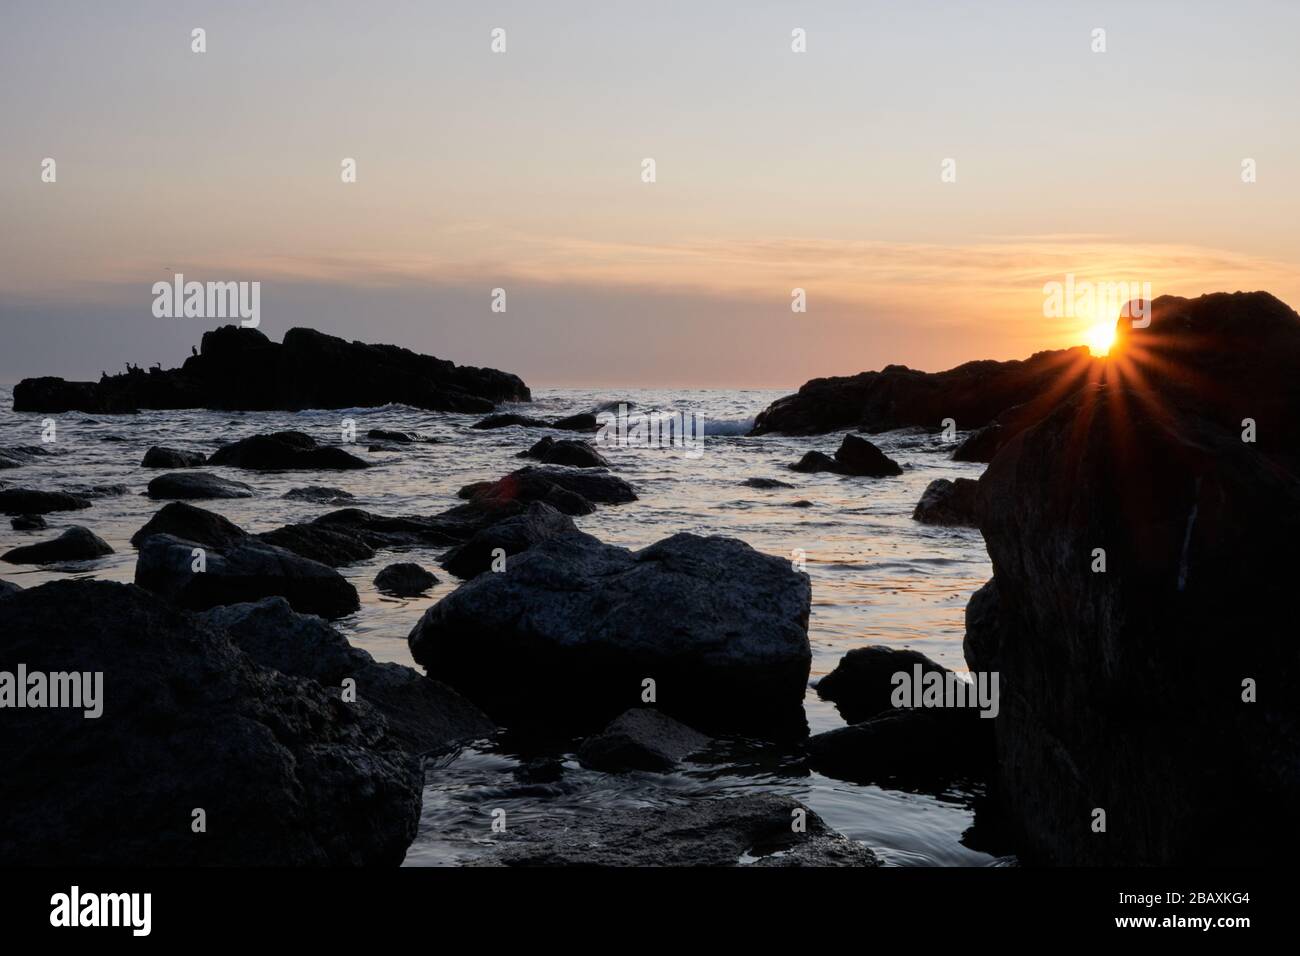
(162, 457)
(197, 485)
(284, 451)
(404, 580)
(27, 523)
(765, 483)
(321, 494)
(856, 456)
(570, 491)
(641, 739)
(751, 830)
(75, 544)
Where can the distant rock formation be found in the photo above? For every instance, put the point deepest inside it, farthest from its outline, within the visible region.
(241, 369)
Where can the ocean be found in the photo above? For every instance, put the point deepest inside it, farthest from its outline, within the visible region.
(878, 577)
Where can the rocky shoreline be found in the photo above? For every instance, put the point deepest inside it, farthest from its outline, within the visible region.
(1135, 623)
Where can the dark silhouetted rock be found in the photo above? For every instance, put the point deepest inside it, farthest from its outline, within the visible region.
(540, 522)
(856, 456)
(861, 684)
(245, 571)
(1124, 689)
(321, 494)
(335, 547)
(195, 485)
(26, 501)
(584, 422)
(505, 420)
(949, 503)
(186, 521)
(916, 745)
(765, 483)
(423, 715)
(75, 544)
(899, 397)
(287, 773)
(404, 580)
(573, 627)
(737, 831)
(27, 523)
(568, 452)
(241, 369)
(980, 445)
(541, 484)
(400, 438)
(641, 739)
(160, 457)
(284, 451)
(8, 589)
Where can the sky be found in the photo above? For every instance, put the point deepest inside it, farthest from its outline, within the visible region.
(522, 170)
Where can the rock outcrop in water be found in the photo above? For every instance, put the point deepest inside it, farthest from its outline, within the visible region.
(1159, 690)
(241, 369)
(75, 544)
(855, 456)
(160, 457)
(948, 503)
(247, 570)
(404, 579)
(641, 739)
(567, 452)
(573, 628)
(196, 486)
(509, 536)
(284, 451)
(285, 772)
(900, 397)
(571, 491)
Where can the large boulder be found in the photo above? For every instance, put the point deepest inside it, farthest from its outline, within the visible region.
(161, 457)
(284, 451)
(284, 771)
(196, 485)
(245, 571)
(423, 715)
(239, 368)
(75, 544)
(949, 503)
(1132, 689)
(572, 629)
(752, 830)
(26, 501)
(510, 536)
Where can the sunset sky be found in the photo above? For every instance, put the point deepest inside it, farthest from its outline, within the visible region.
(522, 170)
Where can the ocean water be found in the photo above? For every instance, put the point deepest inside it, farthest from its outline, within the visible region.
(878, 577)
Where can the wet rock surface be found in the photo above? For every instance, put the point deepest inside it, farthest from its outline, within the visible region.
(284, 451)
(404, 580)
(74, 544)
(573, 628)
(160, 457)
(641, 739)
(196, 486)
(749, 830)
(28, 501)
(948, 503)
(285, 773)
(855, 456)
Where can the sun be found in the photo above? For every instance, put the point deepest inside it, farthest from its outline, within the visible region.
(1101, 337)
